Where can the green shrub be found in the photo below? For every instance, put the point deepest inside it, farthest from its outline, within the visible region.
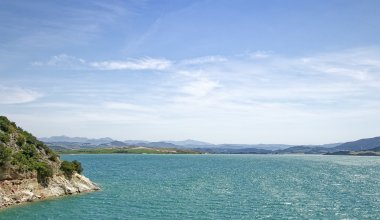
(5, 155)
(44, 171)
(4, 137)
(23, 162)
(40, 145)
(78, 166)
(4, 124)
(69, 168)
(29, 150)
(54, 157)
(30, 139)
(20, 140)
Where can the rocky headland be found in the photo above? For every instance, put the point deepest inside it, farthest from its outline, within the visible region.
(30, 171)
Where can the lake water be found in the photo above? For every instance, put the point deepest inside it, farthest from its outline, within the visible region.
(218, 187)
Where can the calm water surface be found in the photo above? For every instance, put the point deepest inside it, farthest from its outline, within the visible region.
(218, 187)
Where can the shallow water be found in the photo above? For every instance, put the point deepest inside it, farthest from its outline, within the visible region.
(218, 187)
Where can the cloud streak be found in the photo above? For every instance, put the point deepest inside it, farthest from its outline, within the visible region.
(16, 95)
(71, 62)
(62, 60)
(135, 64)
(204, 60)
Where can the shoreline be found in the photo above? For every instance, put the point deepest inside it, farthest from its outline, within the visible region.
(289, 154)
(23, 191)
(19, 205)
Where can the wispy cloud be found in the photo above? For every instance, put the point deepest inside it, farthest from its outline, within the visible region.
(135, 64)
(341, 84)
(321, 80)
(62, 60)
(204, 60)
(66, 61)
(259, 54)
(70, 25)
(16, 95)
(287, 95)
(200, 87)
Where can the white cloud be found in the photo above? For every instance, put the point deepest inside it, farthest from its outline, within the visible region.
(246, 99)
(66, 61)
(135, 64)
(341, 83)
(204, 60)
(16, 95)
(200, 87)
(361, 75)
(322, 79)
(62, 60)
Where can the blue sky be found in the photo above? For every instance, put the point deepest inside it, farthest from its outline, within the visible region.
(293, 72)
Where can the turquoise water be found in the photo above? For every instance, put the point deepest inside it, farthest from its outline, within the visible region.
(219, 187)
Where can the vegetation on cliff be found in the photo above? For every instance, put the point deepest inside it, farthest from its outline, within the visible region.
(69, 168)
(23, 156)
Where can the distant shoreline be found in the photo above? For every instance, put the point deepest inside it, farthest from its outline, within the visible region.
(144, 150)
(130, 150)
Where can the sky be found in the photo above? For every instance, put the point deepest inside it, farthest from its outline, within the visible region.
(221, 71)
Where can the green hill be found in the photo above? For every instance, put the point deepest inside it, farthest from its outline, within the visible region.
(23, 156)
(30, 171)
(359, 145)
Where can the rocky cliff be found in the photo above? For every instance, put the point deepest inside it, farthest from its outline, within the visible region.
(28, 190)
(30, 171)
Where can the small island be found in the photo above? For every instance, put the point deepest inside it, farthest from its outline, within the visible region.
(30, 171)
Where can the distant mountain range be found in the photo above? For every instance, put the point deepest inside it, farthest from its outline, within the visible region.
(189, 143)
(64, 142)
(76, 139)
(359, 145)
